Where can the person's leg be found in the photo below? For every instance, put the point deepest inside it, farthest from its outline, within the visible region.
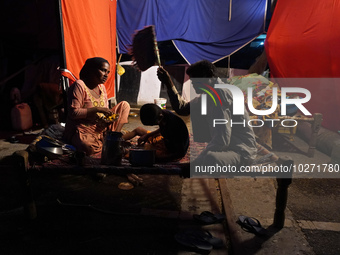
(223, 164)
(123, 110)
(87, 142)
(222, 158)
(139, 131)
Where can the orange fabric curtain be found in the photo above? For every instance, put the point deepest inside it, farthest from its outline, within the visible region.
(303, 39)
(89, 29)
(303, 42)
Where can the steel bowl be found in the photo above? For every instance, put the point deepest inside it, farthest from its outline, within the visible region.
(49, 148)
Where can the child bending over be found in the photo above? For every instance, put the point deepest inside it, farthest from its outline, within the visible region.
(170, 140)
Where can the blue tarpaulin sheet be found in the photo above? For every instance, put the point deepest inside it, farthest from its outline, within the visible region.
(200, 29)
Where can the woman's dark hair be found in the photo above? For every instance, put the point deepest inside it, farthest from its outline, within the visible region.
(91, 64)
(149, 114)
(202, 69)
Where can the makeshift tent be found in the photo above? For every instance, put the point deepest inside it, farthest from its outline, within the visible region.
(89, 30)
(39, 28)
(303, 42)
(200, 29)
(38, 36)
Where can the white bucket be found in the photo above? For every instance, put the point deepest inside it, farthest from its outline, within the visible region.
(161, 102)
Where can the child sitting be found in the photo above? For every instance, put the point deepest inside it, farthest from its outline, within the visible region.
(170, 140)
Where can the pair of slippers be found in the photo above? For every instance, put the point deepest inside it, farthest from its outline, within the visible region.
(251, 225)
(207, 218)
(200, 240)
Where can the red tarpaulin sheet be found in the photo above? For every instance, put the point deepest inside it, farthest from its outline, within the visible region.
(90, 31)
(303, 42)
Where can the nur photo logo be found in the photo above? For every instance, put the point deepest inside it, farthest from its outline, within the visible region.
(204, 97)
(239, 104)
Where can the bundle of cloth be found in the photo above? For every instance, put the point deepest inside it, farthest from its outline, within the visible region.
(262, 99)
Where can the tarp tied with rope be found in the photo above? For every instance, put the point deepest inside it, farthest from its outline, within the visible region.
(200, 29)
(303, 42)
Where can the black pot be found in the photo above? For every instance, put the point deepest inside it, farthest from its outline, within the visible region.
(141, 157)
(112, 151)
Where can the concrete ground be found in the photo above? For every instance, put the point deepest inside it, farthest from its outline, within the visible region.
(312, 223)
(81, 214)
(165, 206)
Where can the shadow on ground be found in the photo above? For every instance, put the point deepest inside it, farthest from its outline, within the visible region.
(61, 230)
(96, 217)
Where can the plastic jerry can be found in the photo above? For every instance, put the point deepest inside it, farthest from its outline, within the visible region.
(21, 116)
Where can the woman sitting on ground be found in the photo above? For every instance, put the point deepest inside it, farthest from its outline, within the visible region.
(88, 113)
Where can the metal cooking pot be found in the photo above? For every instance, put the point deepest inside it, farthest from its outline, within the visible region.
(141, 157)
(49, 147)
(112, 150)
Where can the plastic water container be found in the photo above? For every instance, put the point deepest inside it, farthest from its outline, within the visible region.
(21, 116)
(112, 151)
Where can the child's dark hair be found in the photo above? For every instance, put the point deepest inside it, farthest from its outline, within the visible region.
(202, 69)
(149, 114)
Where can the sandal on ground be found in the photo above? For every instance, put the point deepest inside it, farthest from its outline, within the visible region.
(199, 238)
(207, 236)
(207, 217)
(189, 240)
(251, 225)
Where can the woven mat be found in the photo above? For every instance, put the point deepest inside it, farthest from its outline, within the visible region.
(68, 164)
